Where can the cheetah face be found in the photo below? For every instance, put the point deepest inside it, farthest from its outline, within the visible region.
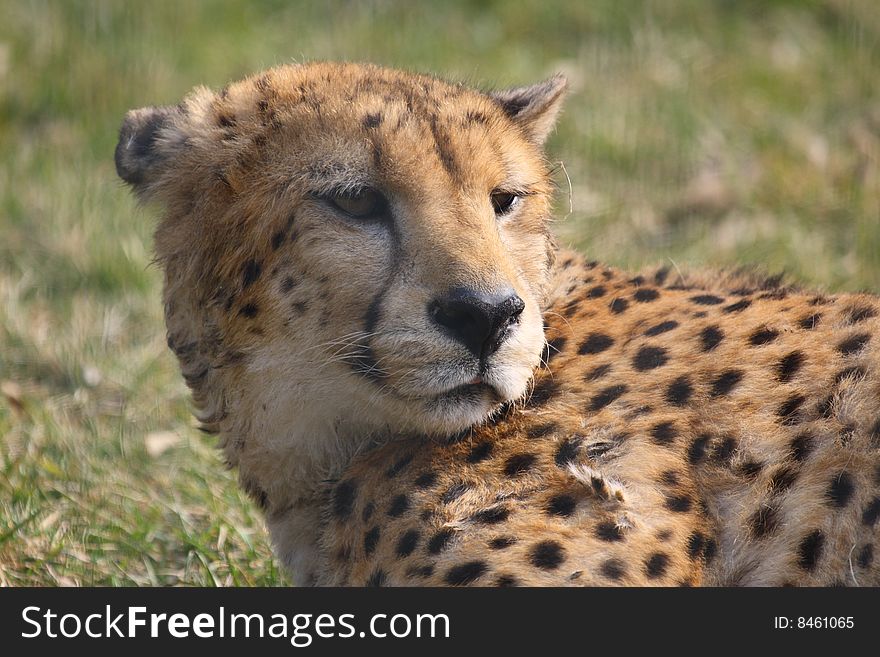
(376, 239)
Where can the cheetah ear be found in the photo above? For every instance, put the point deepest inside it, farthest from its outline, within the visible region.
(147, 142)
(534, 108)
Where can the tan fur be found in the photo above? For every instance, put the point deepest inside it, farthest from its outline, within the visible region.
(737, 446)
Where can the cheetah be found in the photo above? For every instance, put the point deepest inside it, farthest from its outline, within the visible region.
(418, 387)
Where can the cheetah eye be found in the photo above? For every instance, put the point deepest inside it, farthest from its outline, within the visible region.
(504, 202)
(361, 204)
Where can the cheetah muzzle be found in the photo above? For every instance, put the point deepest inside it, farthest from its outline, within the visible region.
(417, 388)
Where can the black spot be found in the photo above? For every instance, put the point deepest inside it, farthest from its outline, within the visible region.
(724, 449)
(656, 565)
(810, 550)
(541, 430)
(595, 292)
(697, 450)
(871, 512)
(606, 396)
(399, 466)
(669, 478)
(553, 348)
(425, 480)
(711, 337)
(547, 555)
(737, 307)
(646, 294)
(663, 433)
(660, 275)
(789, 366)
(801, 446)
(399, 506)
(661, 328)
(789, 409)
(853, 343)
(371, 538)
(567, 451)
(710, 550)
(725, 382)
(408, 543)
(454, 492)
(679, 503)
(251, 272)
(543, 392)
(649, 358)
(599, 449)
(474, 116)
(480, 452)
(343, 499)
(618, 306)
(612, 569)
(637, 280)
(599, 487)
(763, 521)
(492, 516)
(506, 581)
(679, 391)
(782, 479)
(249, 310)
(810, 322)
(466, 573)
(519, 464)
(277, 240)
(707, 300)
(595, 343)
(762, 336)
(571, 309)
(372, 120)
(287, 284)
(502, 542)
(367, 513)
(440, 540)
(609, 532)
(561, 505)
(750, 469)
(849, 372)
(866, 555)
(695, 544)
(377, 578)
(857, 315)
(597, 372)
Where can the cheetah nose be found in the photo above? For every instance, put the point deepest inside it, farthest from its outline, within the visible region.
(479, 320)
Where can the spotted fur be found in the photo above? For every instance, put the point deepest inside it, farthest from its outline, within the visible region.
(651, 429)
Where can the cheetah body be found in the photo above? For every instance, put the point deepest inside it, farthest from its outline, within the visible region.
(708, 432)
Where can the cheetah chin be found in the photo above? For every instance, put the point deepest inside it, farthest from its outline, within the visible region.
(418, 388)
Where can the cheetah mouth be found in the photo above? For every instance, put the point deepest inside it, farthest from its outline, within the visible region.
(473, 391)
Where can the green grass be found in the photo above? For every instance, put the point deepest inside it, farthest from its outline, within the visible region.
(705, 133)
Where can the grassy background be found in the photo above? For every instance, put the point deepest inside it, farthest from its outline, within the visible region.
(702, 132)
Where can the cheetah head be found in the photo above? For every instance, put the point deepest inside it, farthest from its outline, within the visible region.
(349, 242)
